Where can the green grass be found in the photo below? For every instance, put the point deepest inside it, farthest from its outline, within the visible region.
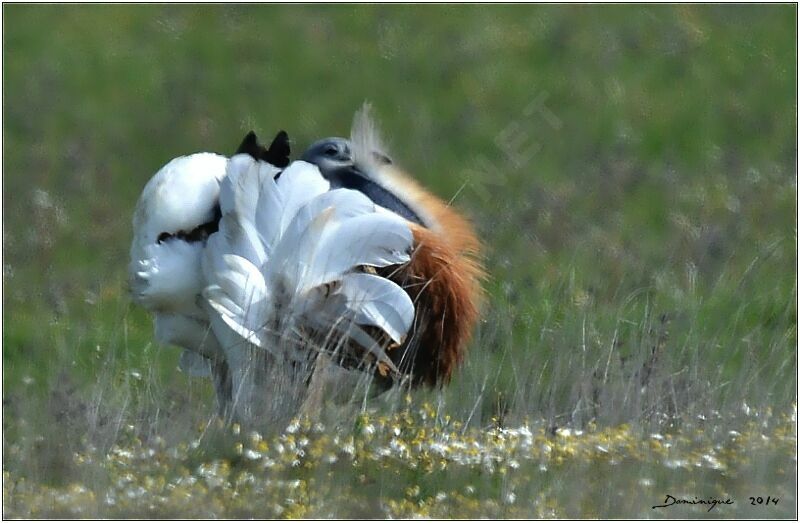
(632, 170)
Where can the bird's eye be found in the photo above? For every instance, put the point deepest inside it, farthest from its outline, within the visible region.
(331, 150)
(381, 158)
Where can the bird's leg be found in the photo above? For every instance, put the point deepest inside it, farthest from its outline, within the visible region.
(312, 405)
(223, 386)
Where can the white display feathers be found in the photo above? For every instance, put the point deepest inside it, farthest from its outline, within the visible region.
(165, 275)
(165, 270)
(288, 256)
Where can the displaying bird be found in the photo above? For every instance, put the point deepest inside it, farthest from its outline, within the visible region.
(252, 262)
(444, 274)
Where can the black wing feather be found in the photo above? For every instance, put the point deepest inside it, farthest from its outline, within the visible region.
(277, 154)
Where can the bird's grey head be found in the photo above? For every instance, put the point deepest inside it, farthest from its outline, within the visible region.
(329, 153)
(346, 168)
(335, 152)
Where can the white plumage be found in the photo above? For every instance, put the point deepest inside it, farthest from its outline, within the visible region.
(286, 276)
(180, 197)
(165, 273)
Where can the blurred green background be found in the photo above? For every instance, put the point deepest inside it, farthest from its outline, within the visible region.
(632, 170)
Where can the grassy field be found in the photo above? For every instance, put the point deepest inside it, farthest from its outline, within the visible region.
(632, 170)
